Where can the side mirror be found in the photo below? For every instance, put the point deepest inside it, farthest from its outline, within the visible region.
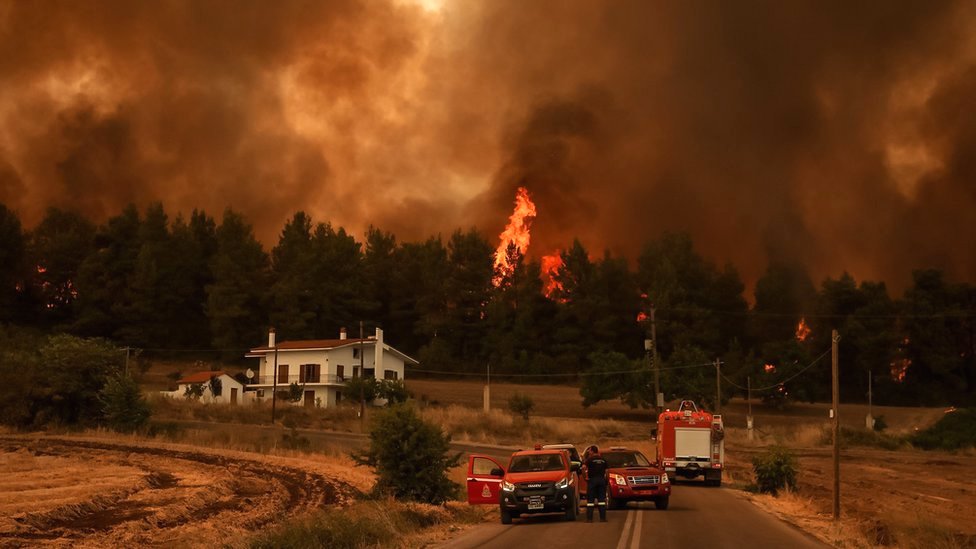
(653, 434)
(574, 466)
(497, 472)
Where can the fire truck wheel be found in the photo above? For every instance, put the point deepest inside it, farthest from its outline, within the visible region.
(506, 517)
(661, 503)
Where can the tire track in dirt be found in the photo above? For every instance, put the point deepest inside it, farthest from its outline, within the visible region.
(184, 497)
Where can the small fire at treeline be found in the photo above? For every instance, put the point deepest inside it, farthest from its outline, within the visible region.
(802, 330)
(518, 234)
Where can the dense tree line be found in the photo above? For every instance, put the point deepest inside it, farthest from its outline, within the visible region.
(146, 280)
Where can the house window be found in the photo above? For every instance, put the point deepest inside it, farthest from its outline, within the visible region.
(338, 397)
(369, 372)
(389, 374)
(355, 353)
(340, 372)
(355, 372)
(282, 373)
(309, 373)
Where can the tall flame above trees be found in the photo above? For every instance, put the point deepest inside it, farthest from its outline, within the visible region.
(516, 233)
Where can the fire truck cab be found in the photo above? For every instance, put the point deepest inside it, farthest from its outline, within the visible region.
(690, 443)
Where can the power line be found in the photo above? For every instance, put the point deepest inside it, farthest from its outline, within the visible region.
(791, 378)
(579, 374)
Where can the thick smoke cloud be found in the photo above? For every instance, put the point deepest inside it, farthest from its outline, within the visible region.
(839, 136)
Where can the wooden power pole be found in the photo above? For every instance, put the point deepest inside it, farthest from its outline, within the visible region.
(718, 386)
(657, 371)
(835, 417)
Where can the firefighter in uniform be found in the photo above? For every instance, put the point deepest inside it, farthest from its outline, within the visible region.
(596, 484)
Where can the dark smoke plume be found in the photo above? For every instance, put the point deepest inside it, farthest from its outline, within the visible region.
(842, 136)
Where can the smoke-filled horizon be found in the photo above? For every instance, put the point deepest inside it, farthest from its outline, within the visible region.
(836, 135)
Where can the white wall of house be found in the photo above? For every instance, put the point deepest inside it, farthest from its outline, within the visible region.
(227, 387)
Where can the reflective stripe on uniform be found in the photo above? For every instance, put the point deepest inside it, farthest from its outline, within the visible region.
(602, 503)
(589, 505)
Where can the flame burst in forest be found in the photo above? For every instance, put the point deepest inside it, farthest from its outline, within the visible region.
(516, 233)
(802, 330)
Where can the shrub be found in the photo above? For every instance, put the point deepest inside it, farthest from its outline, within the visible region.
(295, 441)
(393, 390)
(521, 405)
(193, 391)
(410, 457)
(880, 424)
(956, 430)
(295, 392)
(775, 470)
(124, 408)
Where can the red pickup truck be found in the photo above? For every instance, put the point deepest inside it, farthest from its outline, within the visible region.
(535, 481)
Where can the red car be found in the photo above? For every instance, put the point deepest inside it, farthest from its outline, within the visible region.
(632, 477)
(536, 481)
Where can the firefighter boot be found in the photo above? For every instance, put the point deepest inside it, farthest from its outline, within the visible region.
(589, 512)
(603, 511)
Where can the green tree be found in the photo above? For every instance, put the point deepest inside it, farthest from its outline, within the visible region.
(69, 374)
(236, 299)
(57, 247)
(12, 248)
(467, 290)
(612, 375)
(521, 405)
(394, 391)
(105, 275)
(293, 305)
(124, 408)
(410, 456)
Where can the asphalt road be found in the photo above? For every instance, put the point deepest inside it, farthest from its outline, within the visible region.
(698, 516)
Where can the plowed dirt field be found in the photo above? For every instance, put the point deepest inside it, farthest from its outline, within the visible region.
(92, 492)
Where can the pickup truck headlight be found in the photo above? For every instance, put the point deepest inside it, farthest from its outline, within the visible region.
(564, 483)
(664, 479)
(508, 486)
(618, 479)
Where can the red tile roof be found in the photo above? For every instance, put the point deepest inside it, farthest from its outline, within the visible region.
(200, 377)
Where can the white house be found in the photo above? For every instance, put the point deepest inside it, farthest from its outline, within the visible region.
(231, 390)
(322, 366)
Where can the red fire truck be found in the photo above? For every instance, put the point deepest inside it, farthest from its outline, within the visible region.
(690, 443)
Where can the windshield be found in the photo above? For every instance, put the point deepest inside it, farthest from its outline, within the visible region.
(536, 462)
(626, 459)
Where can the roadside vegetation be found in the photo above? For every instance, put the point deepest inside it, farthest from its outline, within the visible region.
(372, 523)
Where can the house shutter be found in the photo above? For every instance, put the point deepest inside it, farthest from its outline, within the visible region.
(318, 373)
(301, 373)
(283, 373)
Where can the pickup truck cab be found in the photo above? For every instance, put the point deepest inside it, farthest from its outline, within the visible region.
(535, 481)
(632, 477)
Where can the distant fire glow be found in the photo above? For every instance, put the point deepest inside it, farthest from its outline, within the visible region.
(769, 368)
(802, 330)
(641, 316)
(516, 232)
(899, 369)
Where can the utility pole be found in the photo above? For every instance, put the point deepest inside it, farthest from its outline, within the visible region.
(274, 386)
(835, 424)
(658, 400)
(127, 361)
(362, 374)
(869, 421)
(487, 397)
(718, 386)
(749, 403)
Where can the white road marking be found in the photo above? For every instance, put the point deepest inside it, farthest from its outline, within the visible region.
(622, 544)
(635, 541)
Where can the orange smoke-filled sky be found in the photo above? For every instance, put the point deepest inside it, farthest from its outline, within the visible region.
(842, 136)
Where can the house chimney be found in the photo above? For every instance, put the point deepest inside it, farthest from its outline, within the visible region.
(271, 337)
(342, 333)
(378, 357)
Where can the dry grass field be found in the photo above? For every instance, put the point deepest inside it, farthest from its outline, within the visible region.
(105, 490)
(225, 484)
